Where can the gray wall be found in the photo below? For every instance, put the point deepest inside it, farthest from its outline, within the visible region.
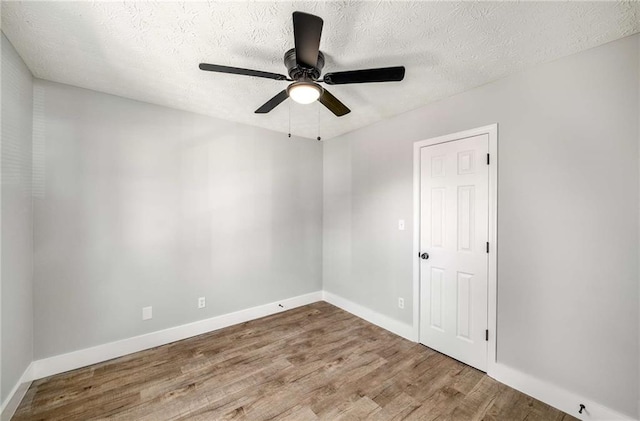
(568, 216)
(139, 205)
(16, 257)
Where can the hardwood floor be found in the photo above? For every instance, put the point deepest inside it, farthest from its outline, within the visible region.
(313, 362)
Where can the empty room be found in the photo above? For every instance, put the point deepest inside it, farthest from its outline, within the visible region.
(320, 210)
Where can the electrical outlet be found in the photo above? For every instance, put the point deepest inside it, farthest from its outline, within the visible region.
(401, 224)
(147, 313)
(401, 302)
(201, 302)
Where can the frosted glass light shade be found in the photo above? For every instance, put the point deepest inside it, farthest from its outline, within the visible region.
(304, 92)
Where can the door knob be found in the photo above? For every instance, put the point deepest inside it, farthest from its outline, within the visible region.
(424, 256)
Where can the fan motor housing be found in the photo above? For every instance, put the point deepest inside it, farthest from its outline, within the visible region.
(297, 72)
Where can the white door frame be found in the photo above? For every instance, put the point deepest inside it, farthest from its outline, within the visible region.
(492, 277)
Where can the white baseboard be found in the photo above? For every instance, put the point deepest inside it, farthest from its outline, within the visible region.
(385, 322)
(84, 357)
(555, 396)
(14, 398)
(544, 391)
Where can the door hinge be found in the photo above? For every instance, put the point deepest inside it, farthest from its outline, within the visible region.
(487, 247)
(488, 160)
(486, 335)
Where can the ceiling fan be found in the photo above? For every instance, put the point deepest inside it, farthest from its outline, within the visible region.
(304, 64)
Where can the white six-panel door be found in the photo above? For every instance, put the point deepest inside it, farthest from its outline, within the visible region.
(454, 218)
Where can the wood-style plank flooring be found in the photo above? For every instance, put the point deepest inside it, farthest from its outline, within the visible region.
(311, 363)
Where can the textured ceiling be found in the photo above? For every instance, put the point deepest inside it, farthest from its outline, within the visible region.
(150, 51)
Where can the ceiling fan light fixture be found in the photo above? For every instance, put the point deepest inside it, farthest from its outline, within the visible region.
(304, 64)
(304, 92)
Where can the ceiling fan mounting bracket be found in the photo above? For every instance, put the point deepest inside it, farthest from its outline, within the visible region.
(297, 72)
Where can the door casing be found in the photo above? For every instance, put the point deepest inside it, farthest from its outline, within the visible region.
(492, 278)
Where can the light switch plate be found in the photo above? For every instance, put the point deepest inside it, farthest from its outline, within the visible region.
(147, 313)
(401, 224)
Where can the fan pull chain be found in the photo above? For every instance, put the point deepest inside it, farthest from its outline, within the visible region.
(318, 108)
(289, 118)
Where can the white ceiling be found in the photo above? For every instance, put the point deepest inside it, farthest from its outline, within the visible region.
(150, 51)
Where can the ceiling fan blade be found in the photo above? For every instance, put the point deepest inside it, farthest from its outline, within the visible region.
(333, 104)
(273, 102)
(383, 74)
(240, 71)
(307, 30)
